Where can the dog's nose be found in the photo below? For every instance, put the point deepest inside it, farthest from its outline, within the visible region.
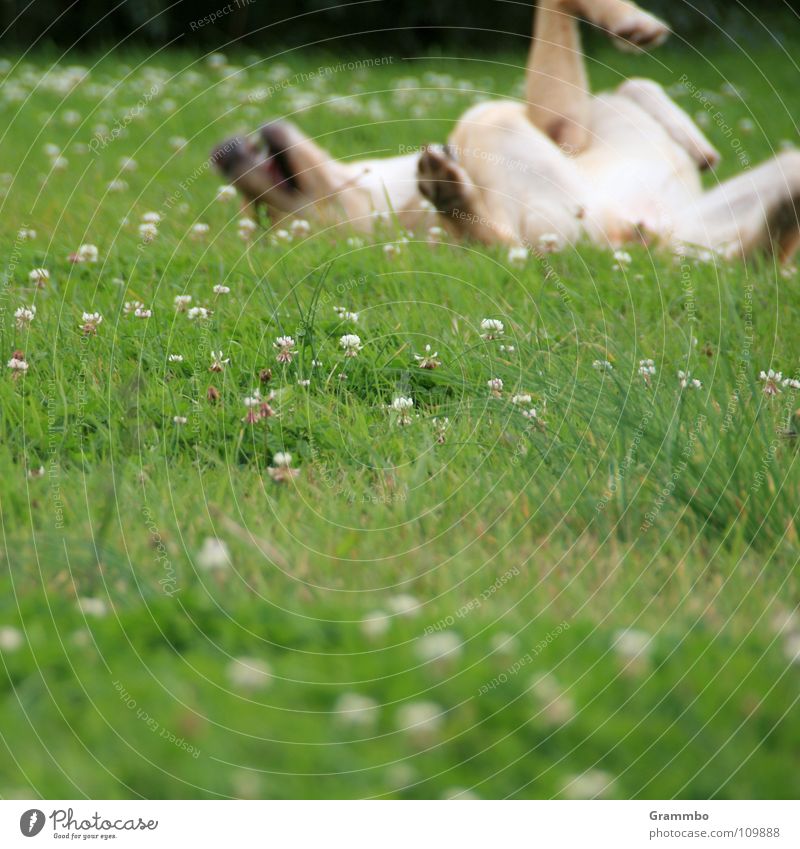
(227, 155)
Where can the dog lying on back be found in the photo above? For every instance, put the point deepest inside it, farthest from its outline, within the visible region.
(562, 166)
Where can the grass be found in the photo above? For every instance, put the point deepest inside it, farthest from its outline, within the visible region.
(668, 514)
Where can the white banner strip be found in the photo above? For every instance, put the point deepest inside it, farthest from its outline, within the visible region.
(396, 825)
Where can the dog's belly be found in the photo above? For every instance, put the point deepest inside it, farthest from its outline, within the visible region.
(635, 172)
(646, 194)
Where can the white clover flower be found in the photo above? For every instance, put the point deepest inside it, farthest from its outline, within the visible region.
(91, 321)
(391, 251)
(11, 639)
(421, 720)
(246, 228)
(181, 302)
(92, 607)
(218, 362)
(592, 784)
(60, 163)
(356, 710)
(355, 242)
(39, 276)
(226, 193)
(249, 673)
(151, 218)
(131, 307)
(284, 345)
(632, 644)
(521, 399)
(791, 648)
(148, 232)
(282, 237)
(375, 624)
(686, 380)
(87, 253)
(304, 383)
(254, 399)
(351, 344)
(602, 365)
(549, 242)
(117, 186)
(18, 365)
(175, 358)
(178, 143)
(213, 554)
(556, 706)
(772, 380)
(404, 604)
(24, 315)
(492, 329)
(503, 643)
(440, 427)
(647, 368)
(281, 469)
(791, 383)
(300, 228)
(437, 647)
(345, 315)
(126, 163)
(198, 313)
(219, 289)
(508, 348)
(495, 385)
(143, 312)
(402, 407)
(531, 414)
(180, 420)
(24, 234)
(622, 258)
(200, 230)
(428, 360)
(435, 234)
(518, 256)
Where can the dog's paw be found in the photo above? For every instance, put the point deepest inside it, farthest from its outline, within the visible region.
(442, 180)
(638, 31)
(706, 157)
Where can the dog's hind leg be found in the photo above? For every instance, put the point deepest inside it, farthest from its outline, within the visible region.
(651, 97)
(556, 83)
(756, 210)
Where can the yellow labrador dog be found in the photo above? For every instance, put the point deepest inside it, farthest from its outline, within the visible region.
(562, 166)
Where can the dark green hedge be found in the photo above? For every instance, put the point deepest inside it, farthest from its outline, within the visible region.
(348, 26)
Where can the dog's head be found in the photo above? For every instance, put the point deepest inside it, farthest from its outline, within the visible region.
(281, 168)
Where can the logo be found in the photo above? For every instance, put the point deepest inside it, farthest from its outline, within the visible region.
(31, 822)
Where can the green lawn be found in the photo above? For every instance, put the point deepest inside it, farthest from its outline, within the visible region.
(516, 550)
